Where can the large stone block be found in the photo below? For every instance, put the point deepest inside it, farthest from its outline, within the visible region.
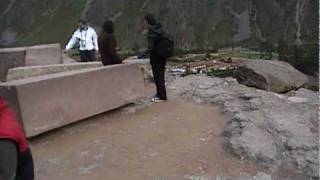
(9, 58)
(31, 71)
(43, 55)
(47, 102)
(28, 56)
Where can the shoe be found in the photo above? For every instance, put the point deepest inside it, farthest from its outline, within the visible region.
(157, 100)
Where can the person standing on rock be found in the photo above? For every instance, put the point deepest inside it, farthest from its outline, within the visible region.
(87, 39)
(16, 162)
(158, 57)
(108, 45)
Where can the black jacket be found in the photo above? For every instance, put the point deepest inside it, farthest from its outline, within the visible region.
(154, 34)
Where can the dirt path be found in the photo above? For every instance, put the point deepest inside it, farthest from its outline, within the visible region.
(172, 140)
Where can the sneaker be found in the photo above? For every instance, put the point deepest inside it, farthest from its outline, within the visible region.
(157, 100)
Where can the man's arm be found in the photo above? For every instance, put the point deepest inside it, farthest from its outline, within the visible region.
(8, 160)
(147, 52)
(71, 42)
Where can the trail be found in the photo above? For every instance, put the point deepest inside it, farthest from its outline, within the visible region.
(171, 140)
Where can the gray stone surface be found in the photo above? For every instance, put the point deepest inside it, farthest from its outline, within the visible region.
(51, 101)
(43, 55)
(308, 95)
(9, 58)
(276, 76)
(31, 71)
(262, 126)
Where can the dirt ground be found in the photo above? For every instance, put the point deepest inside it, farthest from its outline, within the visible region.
(174, 140)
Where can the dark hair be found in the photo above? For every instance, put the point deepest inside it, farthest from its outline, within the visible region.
(82, 21)
(150, 19)
(108, 27)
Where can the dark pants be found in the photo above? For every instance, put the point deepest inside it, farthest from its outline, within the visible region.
(87, 56)
(158, 65)
(14, 163)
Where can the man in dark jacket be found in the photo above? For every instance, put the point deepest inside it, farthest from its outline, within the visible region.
(16, 161)
(158, 63)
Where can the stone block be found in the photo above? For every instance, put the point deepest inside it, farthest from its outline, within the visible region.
(10, 58)
(31, 71)
(43, 55)
(47, 102)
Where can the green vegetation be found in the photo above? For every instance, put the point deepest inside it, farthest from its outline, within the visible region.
(304, 57)
(221, 73)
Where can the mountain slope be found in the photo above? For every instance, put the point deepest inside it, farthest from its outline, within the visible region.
(194, 24)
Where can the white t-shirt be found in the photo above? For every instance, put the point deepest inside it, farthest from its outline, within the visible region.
(87, 39)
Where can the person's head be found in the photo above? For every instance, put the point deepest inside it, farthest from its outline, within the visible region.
(82, 24)
(149, 20)
(108, 27)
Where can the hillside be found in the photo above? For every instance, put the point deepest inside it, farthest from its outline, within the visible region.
(194, 24)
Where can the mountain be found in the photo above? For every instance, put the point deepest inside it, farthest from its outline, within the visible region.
(194, 24)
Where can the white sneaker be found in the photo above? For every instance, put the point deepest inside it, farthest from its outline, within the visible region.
(157, 100)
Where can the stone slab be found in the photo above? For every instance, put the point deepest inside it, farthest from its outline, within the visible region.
(43, 55)
(29, 56)
(47, 102)
(31, 71)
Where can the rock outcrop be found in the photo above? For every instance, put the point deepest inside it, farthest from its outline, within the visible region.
(262, 126)
(276, 76)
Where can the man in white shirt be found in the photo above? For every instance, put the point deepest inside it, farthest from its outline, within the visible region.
(87, 39)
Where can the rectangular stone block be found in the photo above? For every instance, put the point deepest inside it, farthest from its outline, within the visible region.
(47, 102)
(31, 71)
(43, 55)
(10, 58)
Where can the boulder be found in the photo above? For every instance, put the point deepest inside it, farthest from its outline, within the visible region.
(31, 71)
(44, 103)
(276, 76)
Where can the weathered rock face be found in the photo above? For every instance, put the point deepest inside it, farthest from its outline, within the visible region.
(51, 101)
(194, 24)
(276, 76)
(263, 126)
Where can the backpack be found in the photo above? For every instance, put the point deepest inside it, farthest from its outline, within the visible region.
(165, 46)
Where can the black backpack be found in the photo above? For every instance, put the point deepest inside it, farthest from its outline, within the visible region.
(165, 46)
